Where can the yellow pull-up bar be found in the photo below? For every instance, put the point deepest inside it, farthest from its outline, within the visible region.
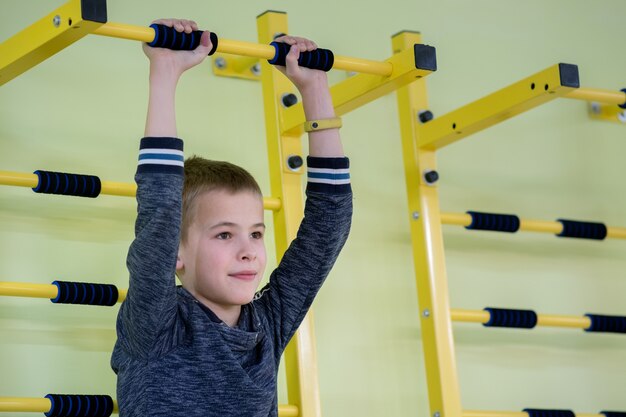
(256, 50)
(108, 187)
(598, 95)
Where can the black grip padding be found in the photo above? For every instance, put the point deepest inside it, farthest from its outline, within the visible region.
(606, 324)
(321, 59)
(497, 222)
(170, 38)
(613, 413)
(505, 317)
(70, 405)
(50, 182)
(85, 293)
(623, 105)
(536, 412)
(582, 230)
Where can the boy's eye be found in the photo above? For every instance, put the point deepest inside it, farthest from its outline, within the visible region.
(224, 235)
(257, 235)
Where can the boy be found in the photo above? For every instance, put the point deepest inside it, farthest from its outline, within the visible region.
(212, 347)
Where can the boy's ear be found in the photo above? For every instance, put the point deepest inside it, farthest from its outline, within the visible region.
(180, 266)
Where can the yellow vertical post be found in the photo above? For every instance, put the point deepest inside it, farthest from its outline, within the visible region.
(428, 250)
(300, 356)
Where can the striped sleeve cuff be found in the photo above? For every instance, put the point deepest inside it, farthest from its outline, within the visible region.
(164, 155)
(329, 175)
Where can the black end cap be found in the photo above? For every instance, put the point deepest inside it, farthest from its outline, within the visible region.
(94, 10)
(271, 11)
(569, 75)
(425, 57)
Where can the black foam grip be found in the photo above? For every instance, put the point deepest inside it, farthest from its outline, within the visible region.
(85, 293)
(613, 413)
(80, 185)
(582, 230)
(536, 412)
(321, 59)
(606, 324)
(64, 405)
(504, 317)
(170, 38)
(496, 222)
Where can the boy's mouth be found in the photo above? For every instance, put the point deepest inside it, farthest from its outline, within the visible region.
(244, 275)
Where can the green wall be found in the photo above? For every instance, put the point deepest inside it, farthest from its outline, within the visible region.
(83, 111)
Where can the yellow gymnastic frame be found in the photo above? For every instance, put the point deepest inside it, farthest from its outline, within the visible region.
(420, 141)
(284, 129)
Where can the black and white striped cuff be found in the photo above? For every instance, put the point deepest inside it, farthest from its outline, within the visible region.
(330, 175)
(161, 155)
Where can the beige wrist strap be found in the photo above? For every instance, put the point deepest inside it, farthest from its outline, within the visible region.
(322, 124)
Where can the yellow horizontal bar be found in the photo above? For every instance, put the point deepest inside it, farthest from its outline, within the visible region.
(464, 219)
(481, 413)
(553, 82)
(34, 405)
(480, 316)
(146, 34)
(43, 405)
(20, 289)
(601, 96)
(44, 38)
(108, 187)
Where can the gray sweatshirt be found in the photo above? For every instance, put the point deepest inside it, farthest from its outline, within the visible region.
(174, 356)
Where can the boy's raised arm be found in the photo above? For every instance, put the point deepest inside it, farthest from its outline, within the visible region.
(150, 305)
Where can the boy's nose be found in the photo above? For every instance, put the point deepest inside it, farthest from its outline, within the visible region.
(247, 252)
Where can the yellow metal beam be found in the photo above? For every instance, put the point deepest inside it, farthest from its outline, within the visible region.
(300, 355)
(414, 62)
(546, 320)
(20, 179)
(51, 34)
(464, 219)
(43, 405)
(428, 251)
(556, 81)
(228, 65)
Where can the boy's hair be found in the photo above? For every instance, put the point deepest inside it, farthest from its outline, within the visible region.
(203, 175)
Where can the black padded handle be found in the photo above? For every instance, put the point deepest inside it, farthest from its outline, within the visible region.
(321, 59)
(85, 293)
(504, 317)
(606, 324)
(536, 412)
(582, 230)
(495, 222)
(170, 38)
(80, 185)
(64, 405)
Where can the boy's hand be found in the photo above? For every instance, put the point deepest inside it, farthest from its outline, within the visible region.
(305, 79)
(176, 62)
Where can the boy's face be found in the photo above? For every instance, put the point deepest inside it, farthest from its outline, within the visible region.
(223, 259)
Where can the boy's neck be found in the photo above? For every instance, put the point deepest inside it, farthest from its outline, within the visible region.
(229, 315)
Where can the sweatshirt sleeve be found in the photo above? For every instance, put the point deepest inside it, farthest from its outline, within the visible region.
(150, 305)
(311, 255)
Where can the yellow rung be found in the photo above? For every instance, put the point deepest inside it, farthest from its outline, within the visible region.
(546, 320)
(256, 50)
(108, 187)
(34, 405)
(21, 289)
(600, 96)
(43, 405)
(464, 219)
